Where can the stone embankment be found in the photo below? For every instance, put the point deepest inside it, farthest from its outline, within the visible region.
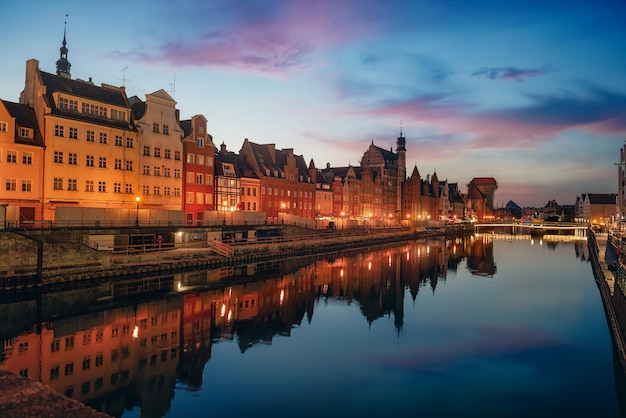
(129, 265)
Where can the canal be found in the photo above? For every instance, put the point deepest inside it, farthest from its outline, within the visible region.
(482, 326)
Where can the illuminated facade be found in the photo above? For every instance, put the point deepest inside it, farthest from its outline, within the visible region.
(199, 169)
(91, 152)
(160, 148)
(286, 183)
(21, 163)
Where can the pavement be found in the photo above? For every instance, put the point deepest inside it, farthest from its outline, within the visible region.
(21, 397)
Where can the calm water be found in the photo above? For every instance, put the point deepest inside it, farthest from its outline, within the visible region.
(483, 327)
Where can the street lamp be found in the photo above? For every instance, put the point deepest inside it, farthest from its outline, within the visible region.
(342, 215)
(224, 204)
(137, 199)
(282, 205)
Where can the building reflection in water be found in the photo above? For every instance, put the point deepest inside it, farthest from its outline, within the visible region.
(134, 352)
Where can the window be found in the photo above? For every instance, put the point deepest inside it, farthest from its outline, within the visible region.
(177, 155)
(129, 165)
(177, 173)
(11, 156)
(118, 164)
(26, 185)
(177, 191)
(209, 179)
(55, 345)
(166, 129)
(73, 133)
(11, 185)
(129, 188)
(209, 161)
(190, 178)
(157, 152)
(26, 132)
(103, 138)
(168, 154)
(69, 343)
(190, 158)
(69, 369)
(91, 136)
(155, 127)
(72, 158)
(58, 130)
(117, 187)
(157, 171)
(167, 172)
(199, 178)
(118, 114)
(57, 183)
(27, 158)
(118, 141)
(166, 191)
(86, 363)
(157, 190)
(146, 150)
(54, 373)
(200, 142)
(58, 157)
(71, 185)
(89, 185)
(129, 143)
(102, 162)
(102, 186)
(189, 197)
(146, 189)
(200, 198)
(3, 126)
(200, 159)
(89, 161)
(146, 170)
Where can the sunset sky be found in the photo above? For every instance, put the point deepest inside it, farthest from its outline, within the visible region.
(532, 93)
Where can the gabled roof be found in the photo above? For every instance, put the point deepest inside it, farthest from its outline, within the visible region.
(484, 181)
(267, 157)
(602, 198)
(387, 154)
(25, 117)
(185, 125)
(475, 194)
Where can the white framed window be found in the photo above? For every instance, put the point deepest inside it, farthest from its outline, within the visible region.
(3, 126)
(27, 158)
(72, 184)
(89, 185)
(26, 132)
(102, 186)
(57, 183)
(73, 133)
(91, 136)
(10, 185)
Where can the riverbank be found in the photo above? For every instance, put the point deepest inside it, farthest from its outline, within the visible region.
(603, 254)
(120, 266)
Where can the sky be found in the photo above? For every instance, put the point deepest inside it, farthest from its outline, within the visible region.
(531, 93)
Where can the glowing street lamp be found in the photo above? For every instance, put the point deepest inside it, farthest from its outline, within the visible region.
(342, 215)
(137, 199)
(282, 205)
(224, 204)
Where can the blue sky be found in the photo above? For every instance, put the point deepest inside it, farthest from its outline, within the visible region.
(532, 93)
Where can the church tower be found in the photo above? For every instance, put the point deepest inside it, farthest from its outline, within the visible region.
(401, 150)
(63, 65)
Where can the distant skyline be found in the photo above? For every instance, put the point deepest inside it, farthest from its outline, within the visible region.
(532, 93)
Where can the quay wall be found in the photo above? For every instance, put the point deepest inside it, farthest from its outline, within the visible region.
(612, 297)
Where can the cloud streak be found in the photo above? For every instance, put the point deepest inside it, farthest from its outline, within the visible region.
(509, 73)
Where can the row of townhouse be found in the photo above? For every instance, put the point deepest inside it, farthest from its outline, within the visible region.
(71, 150)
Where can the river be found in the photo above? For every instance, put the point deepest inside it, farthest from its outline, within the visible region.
(482, 326)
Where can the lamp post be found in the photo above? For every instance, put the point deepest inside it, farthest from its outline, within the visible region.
(137, 199)
(224, 203)
(282, 205)
(342, 215)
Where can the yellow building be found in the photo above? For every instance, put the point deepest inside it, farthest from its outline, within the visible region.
(21, 164)
(160, 152)
(91, 142)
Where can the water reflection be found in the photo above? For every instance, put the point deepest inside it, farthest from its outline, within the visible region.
(125, 350)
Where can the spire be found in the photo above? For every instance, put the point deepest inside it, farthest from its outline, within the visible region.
(63, 65)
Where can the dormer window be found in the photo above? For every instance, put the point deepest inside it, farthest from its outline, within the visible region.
(26, 132)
